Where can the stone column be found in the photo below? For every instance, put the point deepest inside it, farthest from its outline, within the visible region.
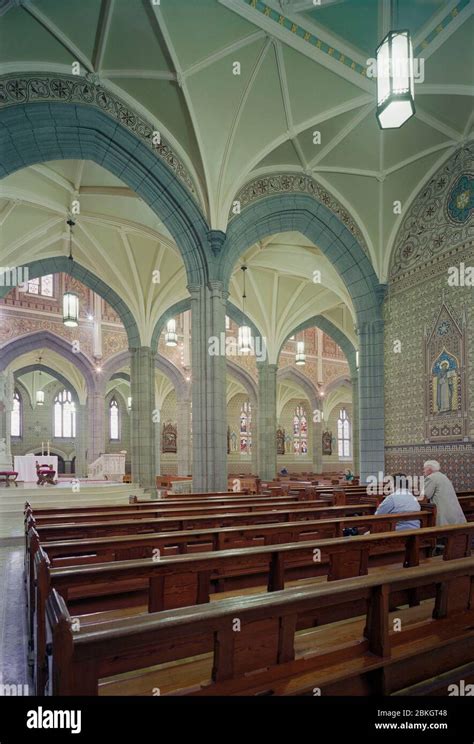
(371, 399)
(355, 424)
(81, 438)
(317, 441)
(143, 417)
(255, 430)
(96, 422)
(6, 404)
(208, 307)
(157, 422)
(267, 420)
(184, 436)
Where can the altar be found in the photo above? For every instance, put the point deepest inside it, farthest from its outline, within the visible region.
(25, 466)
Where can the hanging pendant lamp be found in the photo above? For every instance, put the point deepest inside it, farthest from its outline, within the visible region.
(70, 299)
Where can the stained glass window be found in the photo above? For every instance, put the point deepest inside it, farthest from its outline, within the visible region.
(343, 434)
(300, 431)
(246, 428)
(41, 286)
(64, 415)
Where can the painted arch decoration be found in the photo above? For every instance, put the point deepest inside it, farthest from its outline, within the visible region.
(33, 88)
(288, 183)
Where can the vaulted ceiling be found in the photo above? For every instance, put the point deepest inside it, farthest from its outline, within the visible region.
(301, 70)
(241, 89)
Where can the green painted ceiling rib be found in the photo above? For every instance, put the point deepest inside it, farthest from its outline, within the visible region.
(441, 26)
(339, 56)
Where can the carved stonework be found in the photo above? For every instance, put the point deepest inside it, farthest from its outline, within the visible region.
(280, 441)
(446, 417)
(40, 88)
(170, 436)
(327, 443)
(439, 218)
(288, 183)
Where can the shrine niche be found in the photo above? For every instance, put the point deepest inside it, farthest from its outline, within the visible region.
(280, 441)
(446, 415)
(170, 438)
(327, 443)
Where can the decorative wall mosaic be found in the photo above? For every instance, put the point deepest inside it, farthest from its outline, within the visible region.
(34, 88)
(287, 183)
(456, 461)
(439, 217)
(429, 333)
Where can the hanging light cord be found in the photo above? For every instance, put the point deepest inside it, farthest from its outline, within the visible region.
(244, 296)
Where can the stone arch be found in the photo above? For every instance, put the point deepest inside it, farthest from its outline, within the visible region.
(54, 373)
(24, 344)
(183, 305)
(290, 373)
(302, 213)
(333, 332)
(111, 367)
(245, 379)
(62, 264)
(37, 132)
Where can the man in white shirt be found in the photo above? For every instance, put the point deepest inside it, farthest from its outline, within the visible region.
(439, 489)
(399, 501)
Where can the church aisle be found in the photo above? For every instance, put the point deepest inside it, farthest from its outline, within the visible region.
(13, 631)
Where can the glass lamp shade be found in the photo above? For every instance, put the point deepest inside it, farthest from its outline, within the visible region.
(245, 340)
(70, 309)
(171, 337)
(300, 357)
(40, 397)
(395, 80)
(129, 403)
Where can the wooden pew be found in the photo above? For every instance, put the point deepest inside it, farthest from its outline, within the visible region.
(174, 510)
(131, 526)
(181, 581)
(265, 655)
(126, 547)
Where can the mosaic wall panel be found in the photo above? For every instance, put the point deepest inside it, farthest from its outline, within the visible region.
(456, 461)
(429, 322)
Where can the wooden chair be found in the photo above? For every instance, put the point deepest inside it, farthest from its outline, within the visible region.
(45, 474)
(9, 476)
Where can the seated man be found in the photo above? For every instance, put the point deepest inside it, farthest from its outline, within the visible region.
(439, 489)
(399, 501)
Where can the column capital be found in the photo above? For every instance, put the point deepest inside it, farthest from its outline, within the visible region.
(216, 240)
(375, 325)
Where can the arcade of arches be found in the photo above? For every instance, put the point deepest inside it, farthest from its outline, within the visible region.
(215, 264)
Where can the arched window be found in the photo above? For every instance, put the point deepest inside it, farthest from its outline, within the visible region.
(64, 415)
(300, 431)
(16, 415)
(114, 419)
(343, 434)
(246, 428)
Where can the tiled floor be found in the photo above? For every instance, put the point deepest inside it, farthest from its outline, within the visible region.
(13, 627)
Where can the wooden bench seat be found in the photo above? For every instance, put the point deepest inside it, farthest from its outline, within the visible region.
(131, 526)
(187, 580)
(193, 673)
(171, 511)
(261, 656)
